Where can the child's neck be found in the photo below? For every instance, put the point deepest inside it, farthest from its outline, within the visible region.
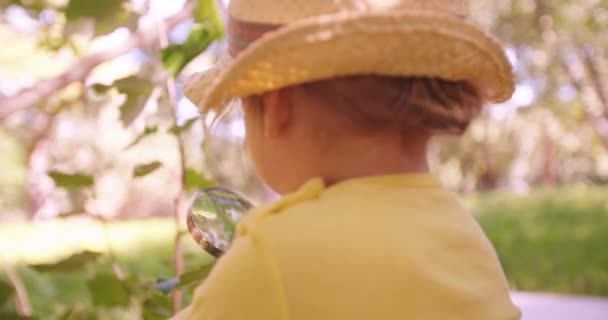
(353, 158)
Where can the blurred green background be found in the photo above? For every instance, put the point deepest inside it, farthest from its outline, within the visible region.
(101, 153)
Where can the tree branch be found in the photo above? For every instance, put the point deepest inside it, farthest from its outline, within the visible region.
(24, 308)
(47, 87)
(598, 122)
(36, 162)
(601, 127)
(178, 203)
(589, 57)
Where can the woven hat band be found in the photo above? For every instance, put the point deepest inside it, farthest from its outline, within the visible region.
(241, 34)
(289, 11)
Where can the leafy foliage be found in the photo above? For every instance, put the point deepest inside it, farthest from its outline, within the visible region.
(157, 307)
(75, 262)
(193, 180)
(177, 130)
(107, 15)
(91, 290)
(107, 290)
(148, 131)
(176, 57)
(137, 92)
(143, 170)
(71, 181)
(192, 277)
(32, 5)
(6, 291)
(88, 285)
(208, 28)
(77, 9)
(10, 315)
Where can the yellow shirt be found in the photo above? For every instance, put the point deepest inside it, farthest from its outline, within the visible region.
(391, 247)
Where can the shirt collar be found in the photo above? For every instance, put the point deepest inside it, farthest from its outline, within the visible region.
(315, 187)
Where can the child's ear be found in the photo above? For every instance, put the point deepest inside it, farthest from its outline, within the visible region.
(277, 112)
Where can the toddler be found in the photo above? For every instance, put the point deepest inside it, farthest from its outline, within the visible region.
(341, 98)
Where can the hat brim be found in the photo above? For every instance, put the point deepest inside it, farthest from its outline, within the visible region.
(409, 44)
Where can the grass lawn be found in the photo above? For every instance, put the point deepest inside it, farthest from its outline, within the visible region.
(551, 241)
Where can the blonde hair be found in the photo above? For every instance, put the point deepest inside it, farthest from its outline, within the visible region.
(431, 105)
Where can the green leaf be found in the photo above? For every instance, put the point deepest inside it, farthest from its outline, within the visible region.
(177, 130)
(108, 14)
(206, 12)
(150, 130)
(176, 57)
(71, 181)
(100, 88)
(157, 307)
(145, 169)
(195, 181)
(92, 9)
(122, 18)
(138, 92)
(79, 312)
(72, 213)
(193, 276)
(208, 28)
(6, 292)
(75, 262)
(11, 315)
(133, 106)
(31, 5)
(108, 291)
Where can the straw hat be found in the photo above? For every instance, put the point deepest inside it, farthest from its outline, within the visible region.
(278, 43)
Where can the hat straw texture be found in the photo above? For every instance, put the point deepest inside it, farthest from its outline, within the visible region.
(278, 43)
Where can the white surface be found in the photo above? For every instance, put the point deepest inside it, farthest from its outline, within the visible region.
(555, 307)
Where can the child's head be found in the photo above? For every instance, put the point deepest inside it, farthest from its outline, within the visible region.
(346, 88)
(359, 125)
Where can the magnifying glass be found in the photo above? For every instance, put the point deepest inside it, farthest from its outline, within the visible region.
(213, 217)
